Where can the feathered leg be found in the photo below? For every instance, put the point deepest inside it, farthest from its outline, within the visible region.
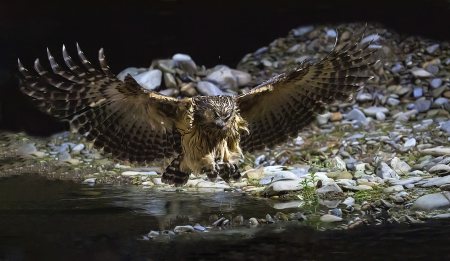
(228, 171)
(173, 174)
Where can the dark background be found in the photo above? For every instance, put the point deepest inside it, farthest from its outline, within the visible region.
(212, 32)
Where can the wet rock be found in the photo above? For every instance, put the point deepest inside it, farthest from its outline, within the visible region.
(327, 218)
(409, 143)
(422, 105)
(269, 219)
(213, 185)
(392, 101)
(253, 222)
(208, 89)
(443, 216)
(440, 169)
(281, 216)
(150, 80)
(433, 201)
(358, 116)
(400, 166)
(183, 229)
(289, 204)
(90, 181)
(363, 97)
(133, 71)
(139, 173)
(385, 172)
(282, 186)
(331, 190)
(185, 62)
(153, 234)
(420, 73)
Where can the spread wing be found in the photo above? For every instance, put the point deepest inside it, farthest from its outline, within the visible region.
(123, 118)
(280, 107)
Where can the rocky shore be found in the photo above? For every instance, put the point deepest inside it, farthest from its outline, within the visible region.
(383, 157)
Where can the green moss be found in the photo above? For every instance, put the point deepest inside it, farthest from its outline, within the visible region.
(369, 195)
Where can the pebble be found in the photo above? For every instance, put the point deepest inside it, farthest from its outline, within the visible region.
(323, 118)
(90, 181)
(364, 96)
(289, 204)
(439, 181)
(64, 156)
(373, 110)
(254, 173)
(208, 89)
(371, 38)
(199, 227)
(392, 189)
(300, 31)
(380, 116)
(441, 101)
(283, 185)
(433, 201)
(418, 92)
(432, 48)
(214, 185)
(422, 105)
(349, 201)
(440, 169)
(385, 172)
(436, 151)
(138, 173)
(393, 101)
(133, 71)
(185, 62)
(436, 83)
(330, 190)
(150, 80)
(400, 166)
(420, 73)
(223, 77)
(328, 218)
(183, 229)
(405, 116)
(253, 222)
(409, 143)
(445, 126)
(357, 116)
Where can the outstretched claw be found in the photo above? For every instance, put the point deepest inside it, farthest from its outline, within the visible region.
(173, 175)
(228, 171)
(211, 172)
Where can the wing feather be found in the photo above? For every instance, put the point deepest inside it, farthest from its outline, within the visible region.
(280, 107)
(122, 118)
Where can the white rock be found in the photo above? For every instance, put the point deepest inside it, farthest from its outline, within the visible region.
(90, 181)
(380, 116)
(385, 172)
(223, 77)
(133, 71)
(400, 166)
(327, 218)
(285, 185)
(208, 89)
(392, 189)
(150, 80)
(185, 62)
(433, 201)
(410, 143)
(339, 164)
(78, 148)
(138, 173)
(371, 38)
(290, 204)
(440, 169)
(242, 78)
(437, 151)
(437, 181)
(373, 110)
(420, 73)
(323, 118)
(183, 229)
(349, 201)
(330, 188)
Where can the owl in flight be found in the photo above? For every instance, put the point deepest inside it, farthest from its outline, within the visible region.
(204, 134)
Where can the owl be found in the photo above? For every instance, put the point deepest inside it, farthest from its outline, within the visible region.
(203, 134)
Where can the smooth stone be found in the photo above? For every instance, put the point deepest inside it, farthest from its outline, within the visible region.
(439, 181)
(242, 78)
(27, 149)
(328, 218)
(150, 80)
(392, 189)
(254, 173)
(445, 126)
(400, 166)
(432, 48)
(405, 116)
(133, 71)
(440, 169)
(436, 151)
(208, 89)
(322, 119)
(78, 148)
(153, 234)
(335, 212)
(364, 96)
(393, 101)
(436, 83)
(276, 176)
(185, 63)
(349, 201)
(331, 33)
(183, 229)
(223, 77)
(398, 67)
(441, 101)
(380, 116)
(409, 143)
(199, 227)
(422, 105)
(357, 116)
(138, 173)
(285, 205)
(169, 81)
(329, 190)
(337, 116)
(283, 185)
(417, 92)
(299, 31)
(90, 181)
(253, 222)
(421, 73)
(371, 38)
(385, 172)
(404, 182)
(433, 201)
(373, 110)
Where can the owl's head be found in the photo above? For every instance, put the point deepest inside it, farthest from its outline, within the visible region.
(215, 112)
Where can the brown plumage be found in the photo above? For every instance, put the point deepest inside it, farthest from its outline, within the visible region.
(206, 132)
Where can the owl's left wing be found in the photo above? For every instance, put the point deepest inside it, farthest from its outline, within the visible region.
(280, 107)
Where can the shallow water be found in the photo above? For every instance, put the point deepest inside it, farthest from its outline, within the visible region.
(44, 219)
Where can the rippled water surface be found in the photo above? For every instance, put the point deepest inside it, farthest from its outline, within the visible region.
(44, 219)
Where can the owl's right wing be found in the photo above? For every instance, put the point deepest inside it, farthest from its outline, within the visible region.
(122, 118)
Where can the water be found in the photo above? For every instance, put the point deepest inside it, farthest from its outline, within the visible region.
(42, 219)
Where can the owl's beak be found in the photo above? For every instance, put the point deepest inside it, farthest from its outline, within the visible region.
(220, 124)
